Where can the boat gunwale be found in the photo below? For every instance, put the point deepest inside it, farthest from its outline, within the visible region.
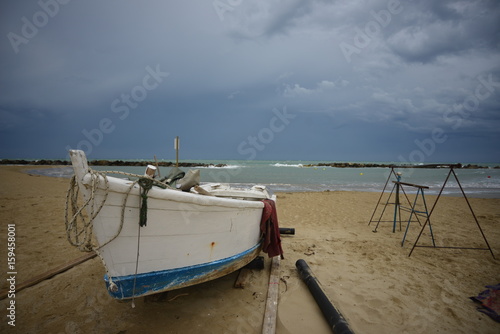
(121, 186)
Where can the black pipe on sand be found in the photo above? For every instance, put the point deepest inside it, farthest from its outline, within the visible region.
(333, 316)
(287, 230)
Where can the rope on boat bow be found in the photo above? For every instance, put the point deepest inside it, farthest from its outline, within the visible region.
(79, 222)
(79, 226)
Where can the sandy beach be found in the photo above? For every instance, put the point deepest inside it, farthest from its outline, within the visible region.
(368, 276)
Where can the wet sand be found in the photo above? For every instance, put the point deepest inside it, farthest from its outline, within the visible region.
(368, 276)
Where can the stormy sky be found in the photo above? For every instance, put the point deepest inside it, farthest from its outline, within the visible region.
(405, 81)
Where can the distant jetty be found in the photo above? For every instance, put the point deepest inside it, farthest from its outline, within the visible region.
(107, 163)
(199, 164)
(372, 165)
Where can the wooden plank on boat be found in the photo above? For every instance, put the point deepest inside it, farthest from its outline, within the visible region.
(243, 278)
(269, 325)
(51, 273)
(244, 274)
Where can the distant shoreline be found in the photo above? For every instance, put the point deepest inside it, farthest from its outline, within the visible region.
(199, 164)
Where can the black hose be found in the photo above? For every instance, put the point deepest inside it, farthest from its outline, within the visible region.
(333, 316)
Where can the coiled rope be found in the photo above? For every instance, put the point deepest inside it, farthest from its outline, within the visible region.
(79, 223)
(79, 226)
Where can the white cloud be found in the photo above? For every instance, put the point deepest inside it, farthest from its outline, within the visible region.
(232, 95)
(296, 91)
(324, 86)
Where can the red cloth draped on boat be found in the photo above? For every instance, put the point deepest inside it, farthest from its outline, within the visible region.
(270, 230)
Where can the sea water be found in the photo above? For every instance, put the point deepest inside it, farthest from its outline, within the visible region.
(294, 176)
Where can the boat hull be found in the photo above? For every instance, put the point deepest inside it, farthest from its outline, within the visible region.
(188, 238)
(155, 282)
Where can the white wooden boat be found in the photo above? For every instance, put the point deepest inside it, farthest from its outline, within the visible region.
(189, 238)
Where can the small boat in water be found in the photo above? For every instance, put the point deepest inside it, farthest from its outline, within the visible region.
(153, 238)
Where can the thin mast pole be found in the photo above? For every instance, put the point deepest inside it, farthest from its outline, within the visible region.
(176, 147)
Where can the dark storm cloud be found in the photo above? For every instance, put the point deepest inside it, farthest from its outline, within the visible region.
(361, 78)
(430, 29)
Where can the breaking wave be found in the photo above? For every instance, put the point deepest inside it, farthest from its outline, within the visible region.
(287, 165)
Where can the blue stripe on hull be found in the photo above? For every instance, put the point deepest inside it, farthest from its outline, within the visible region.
(165, 280)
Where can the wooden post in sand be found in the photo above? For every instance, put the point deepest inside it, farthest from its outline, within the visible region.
(269, 325)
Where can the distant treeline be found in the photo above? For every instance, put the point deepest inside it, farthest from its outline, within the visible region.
(106, 163)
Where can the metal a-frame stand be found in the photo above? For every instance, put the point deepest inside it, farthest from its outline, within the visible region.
(396, 211)
(398, 187)
(413, 211)
(470, 208)
(397, 203)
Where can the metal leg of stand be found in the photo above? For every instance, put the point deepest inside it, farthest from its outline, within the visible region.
(411, 215)
(416, 212)
(383, 210)
(382, 194)
(427, 214)
(396, 208)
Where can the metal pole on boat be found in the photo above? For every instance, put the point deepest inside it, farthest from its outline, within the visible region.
(176, 147)
(157, 167)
